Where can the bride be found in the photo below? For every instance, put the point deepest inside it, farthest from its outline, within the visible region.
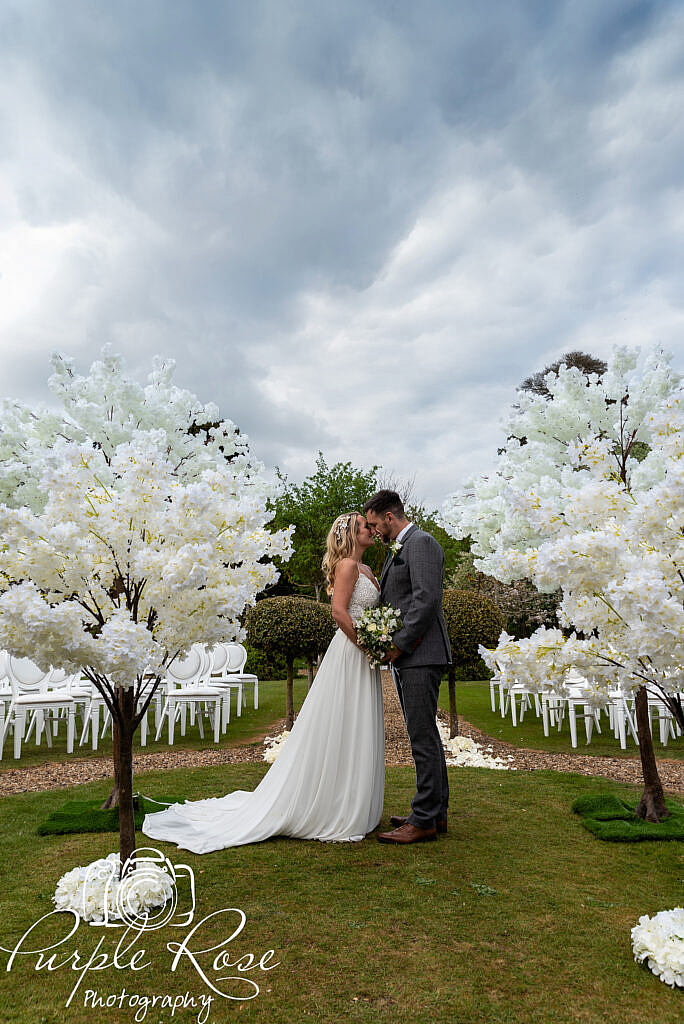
(328, 780)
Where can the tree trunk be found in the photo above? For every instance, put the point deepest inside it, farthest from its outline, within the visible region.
(309, 674)
(453, 716)
(113, 798)
(126, 701)
(289, 699)
(652, 804)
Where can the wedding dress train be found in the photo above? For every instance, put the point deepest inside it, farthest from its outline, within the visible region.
(328, 780)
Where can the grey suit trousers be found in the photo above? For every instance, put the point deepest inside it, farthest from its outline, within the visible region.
(418, 690)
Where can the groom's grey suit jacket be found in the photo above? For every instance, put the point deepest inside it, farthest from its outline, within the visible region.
(412, 581)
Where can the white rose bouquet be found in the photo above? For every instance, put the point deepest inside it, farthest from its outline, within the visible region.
(374, 630)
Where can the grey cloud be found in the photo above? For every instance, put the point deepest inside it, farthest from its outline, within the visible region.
(356, 226)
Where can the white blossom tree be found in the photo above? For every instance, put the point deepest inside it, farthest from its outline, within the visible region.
(132, 526)
(588, 496)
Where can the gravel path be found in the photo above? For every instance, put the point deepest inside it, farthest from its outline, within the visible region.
(60, 775)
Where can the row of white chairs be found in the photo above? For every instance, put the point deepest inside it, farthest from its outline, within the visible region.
(580, 702)
(200, 684)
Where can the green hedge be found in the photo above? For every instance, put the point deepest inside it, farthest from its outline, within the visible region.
(265, 666)
(471, 619)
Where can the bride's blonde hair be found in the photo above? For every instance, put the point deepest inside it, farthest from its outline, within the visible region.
(340, 544)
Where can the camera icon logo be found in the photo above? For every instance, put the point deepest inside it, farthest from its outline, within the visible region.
(146, 897)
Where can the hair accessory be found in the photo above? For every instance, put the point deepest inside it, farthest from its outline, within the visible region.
(343, 524)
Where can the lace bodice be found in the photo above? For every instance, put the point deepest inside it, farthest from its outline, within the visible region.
(364, 595)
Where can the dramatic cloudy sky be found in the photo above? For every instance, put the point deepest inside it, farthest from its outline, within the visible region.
(356, 226)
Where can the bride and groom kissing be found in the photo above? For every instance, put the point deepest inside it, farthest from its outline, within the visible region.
(328, 780)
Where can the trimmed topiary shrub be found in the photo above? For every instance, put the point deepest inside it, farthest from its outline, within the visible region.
(290, 627)
(471, 619)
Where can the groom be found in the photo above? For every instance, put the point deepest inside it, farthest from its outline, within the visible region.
(412, 581)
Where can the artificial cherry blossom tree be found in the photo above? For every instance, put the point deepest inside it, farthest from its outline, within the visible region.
(132, 526)
(588, 495)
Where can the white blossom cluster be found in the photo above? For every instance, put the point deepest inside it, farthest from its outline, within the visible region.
(92, 890)
(127, 533)
(593, 503)
(659, 940)
(464, 752)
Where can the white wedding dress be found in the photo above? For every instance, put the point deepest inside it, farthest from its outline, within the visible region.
(328, 781)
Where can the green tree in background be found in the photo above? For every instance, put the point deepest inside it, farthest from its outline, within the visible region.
(581, 360)
(312, 507)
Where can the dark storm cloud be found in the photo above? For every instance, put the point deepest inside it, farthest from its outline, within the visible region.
(355, 226)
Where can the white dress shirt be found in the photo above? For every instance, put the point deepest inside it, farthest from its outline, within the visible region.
(402, 533)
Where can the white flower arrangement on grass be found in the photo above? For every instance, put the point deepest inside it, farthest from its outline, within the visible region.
(274, 745)
(375, 628)
(95, 891)
(463, 752)
(659, 942)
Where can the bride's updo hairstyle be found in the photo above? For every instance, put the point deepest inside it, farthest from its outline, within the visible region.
(340, 544)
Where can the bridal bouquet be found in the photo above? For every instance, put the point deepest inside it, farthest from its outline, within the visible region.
(374, 630)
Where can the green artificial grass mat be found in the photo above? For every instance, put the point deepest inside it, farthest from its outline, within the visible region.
(613, 820)
(87, 816)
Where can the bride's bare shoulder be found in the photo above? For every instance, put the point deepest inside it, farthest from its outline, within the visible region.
(347, 569)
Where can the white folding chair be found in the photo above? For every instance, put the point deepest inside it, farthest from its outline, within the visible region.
(494, 682)
(552, 709)
(5, 689)
(622, 716)
(665, 718)
(581, 704)
(233, 669)
(98, 703)
(74, 687)
(220, 675)
(523, 693)
(187, 689)
(31, 695)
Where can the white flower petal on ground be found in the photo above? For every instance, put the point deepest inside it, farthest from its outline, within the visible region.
(464, 752)
(274, 745)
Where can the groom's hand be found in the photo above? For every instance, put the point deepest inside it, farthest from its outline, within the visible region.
(392, 655)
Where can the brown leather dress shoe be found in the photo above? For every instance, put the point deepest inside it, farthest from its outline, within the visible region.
(407, 834)
(441, 823)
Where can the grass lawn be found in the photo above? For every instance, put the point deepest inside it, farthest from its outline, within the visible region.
(517, 916)
(247, 728)
(473, 704)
